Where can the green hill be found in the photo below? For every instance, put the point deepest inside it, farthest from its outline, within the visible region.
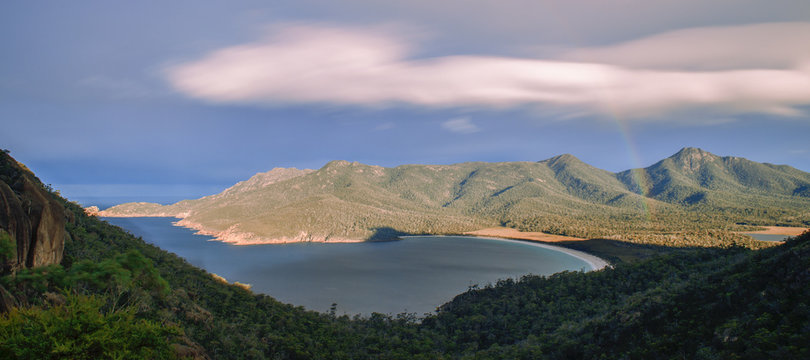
(587, 182)
(694, 176)
(691, 194)
(747, 191)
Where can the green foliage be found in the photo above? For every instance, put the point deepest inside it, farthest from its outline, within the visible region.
(130, 271)
(701, 303)
(8, 247)
(82, 329)
(37, 280)
(659, 227)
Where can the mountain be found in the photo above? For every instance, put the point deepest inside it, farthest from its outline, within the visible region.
(694, 176)
(347, 201)
(589, 183)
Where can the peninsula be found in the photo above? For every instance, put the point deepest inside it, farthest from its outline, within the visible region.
(692, 198)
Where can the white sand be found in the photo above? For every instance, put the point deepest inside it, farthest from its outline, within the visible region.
(595, 262)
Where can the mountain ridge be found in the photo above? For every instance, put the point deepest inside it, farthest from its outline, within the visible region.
(685, 176)
(350, 201)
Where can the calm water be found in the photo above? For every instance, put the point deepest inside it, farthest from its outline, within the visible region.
(416, 274)
(768, 237)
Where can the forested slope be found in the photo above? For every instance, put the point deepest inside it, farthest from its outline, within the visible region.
(693, 304)
(691, 198)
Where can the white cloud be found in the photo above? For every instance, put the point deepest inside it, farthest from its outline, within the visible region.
(461, 125)
(316, 64)
(766, 46)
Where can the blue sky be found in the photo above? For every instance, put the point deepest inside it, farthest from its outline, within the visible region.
(184, 98)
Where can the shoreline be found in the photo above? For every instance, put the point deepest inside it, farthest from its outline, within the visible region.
(510, 233)
(778, 230)
(238, 238)
(242, 238)
(595, 262)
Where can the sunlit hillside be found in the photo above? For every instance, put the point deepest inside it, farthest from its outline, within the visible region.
(691, 198)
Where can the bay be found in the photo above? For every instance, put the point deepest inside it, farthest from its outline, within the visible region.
(413, 275)
(768, 237)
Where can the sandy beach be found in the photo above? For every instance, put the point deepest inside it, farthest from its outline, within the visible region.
(779, 230)
(595, 262)
(509, 233)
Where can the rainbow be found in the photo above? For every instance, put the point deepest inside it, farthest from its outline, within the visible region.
(636, 171)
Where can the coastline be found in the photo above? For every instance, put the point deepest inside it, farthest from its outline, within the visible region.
(510, 233)
(234, 237)
(778, 230)
(595, 262)
(540, 239)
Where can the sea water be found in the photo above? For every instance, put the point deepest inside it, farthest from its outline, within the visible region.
(415, 275)
(768, 237)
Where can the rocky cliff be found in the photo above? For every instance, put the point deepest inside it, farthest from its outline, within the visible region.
(31, 216)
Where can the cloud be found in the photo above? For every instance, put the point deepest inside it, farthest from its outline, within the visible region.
(460, 125)
(366, 67)
(766, 46)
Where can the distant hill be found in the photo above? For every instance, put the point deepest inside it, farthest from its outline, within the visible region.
(692, 190)
(694, 176)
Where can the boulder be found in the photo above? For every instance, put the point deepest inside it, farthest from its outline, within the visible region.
(32, 216)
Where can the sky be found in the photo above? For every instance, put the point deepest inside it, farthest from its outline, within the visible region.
(181, 99)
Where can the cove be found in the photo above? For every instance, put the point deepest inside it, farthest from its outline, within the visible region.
(768, 237)
(415, 275)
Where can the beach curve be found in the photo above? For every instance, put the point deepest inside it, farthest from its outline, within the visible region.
(595, 262)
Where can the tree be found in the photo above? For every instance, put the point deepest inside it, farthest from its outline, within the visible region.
(82, 329)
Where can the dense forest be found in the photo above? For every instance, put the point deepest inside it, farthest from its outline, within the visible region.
(115, 296)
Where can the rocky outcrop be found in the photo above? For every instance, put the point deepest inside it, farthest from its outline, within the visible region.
(32, 217)
(92, 211)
